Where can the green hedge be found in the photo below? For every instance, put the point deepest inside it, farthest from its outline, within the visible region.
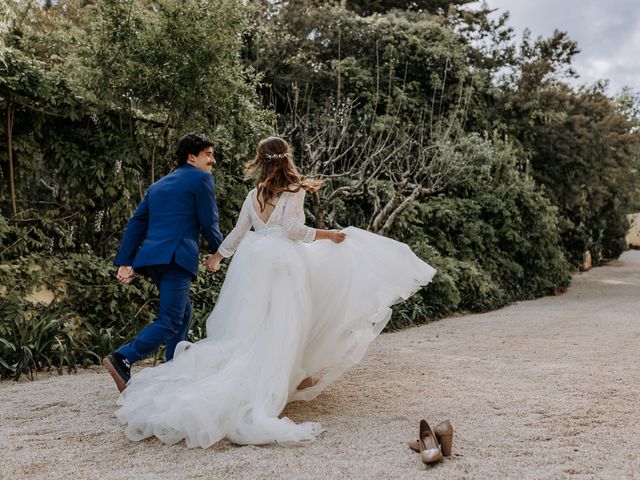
(90, 315)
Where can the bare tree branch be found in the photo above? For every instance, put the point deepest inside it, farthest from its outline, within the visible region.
(385, 161)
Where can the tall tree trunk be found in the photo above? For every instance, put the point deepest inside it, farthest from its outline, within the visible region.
(11, 110)
(155, 146)
(318, 211)
(339, 87)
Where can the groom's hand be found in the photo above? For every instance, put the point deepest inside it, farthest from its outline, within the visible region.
(125, 274)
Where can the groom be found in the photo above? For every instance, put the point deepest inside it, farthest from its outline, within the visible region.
(161, 242)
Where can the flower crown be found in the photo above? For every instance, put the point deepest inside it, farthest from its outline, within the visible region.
(275, 156)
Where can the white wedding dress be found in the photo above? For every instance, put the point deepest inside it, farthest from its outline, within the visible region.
(289, 308)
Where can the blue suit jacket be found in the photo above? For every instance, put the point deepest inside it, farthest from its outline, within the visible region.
(166, 224)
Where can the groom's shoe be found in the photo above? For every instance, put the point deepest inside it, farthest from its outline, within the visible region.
(119, 368)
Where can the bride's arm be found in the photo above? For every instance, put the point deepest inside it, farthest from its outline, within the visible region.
(293, 221)
(231, 242)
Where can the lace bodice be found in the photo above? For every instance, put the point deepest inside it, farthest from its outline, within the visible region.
(287, 219)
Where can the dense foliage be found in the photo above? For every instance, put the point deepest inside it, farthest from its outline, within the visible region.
(426, 120)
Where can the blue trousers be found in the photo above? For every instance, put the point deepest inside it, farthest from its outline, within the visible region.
(174, 315)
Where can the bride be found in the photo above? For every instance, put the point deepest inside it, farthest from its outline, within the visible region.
(294, 313)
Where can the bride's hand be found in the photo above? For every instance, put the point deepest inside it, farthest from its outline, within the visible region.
(212, 263)
(125, 274)
(337, 236)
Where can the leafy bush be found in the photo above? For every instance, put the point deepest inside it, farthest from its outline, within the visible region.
(501, 220)
(90, 316)
(458, 286)
(32, 338)
(493, 238)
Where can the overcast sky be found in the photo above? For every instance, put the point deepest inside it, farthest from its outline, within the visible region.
(607, 32)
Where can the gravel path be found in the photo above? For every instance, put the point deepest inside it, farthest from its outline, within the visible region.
(544, 389)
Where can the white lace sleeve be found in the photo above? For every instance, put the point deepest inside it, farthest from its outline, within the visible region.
(293, 219)
(243, 224)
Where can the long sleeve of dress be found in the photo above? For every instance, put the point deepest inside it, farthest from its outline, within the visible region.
(293, 219)
(243, 224)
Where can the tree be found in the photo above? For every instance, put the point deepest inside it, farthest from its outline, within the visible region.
(97, 94)
(376, 114)
(370, 7)
(378, 165)
(582, 148)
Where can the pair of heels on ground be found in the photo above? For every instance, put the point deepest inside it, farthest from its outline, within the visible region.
(433, 444)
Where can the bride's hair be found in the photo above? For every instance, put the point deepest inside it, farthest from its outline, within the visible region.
(275, 171)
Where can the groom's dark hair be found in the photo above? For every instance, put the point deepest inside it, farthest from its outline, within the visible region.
(191, 143)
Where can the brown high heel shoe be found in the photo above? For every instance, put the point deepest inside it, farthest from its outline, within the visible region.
(309, 382)
(444, 435)
(429, 448)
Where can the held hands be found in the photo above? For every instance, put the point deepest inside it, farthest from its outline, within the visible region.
(125, 274)
(212, 262)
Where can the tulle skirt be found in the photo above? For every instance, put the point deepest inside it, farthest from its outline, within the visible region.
(287, 311)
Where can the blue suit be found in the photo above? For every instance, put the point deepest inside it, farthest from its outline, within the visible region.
(161, 241)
